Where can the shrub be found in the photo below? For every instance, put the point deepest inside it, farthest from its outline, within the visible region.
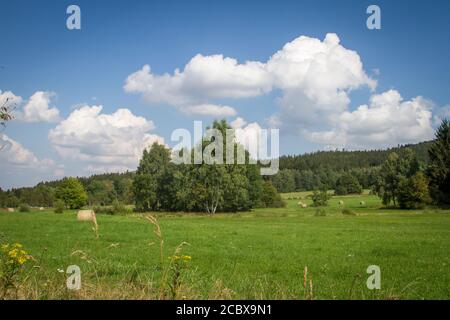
(119, 207)
(103, 210)
(320, 198)
(348, 212)
(24, 208)
(59, 206)
(270, 198)
(116, 208)
(320, 212)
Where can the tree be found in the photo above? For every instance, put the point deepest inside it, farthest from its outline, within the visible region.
(320, 198)
(347, 184)
(413, 192)
(144, 189)
(270, 198)
(123, 190)
(393, 171)
(71, 191)
(438, 170)
(284, 180)
(101, 192)
(148, 178)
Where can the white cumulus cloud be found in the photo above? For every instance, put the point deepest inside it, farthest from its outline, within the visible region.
(20, 166)
(15, 155)
(36, 109)
(314, 77)
(202, 79)
(103, 142)
(387, 121)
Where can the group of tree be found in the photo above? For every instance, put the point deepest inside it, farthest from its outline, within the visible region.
(329, 169)
(344, 181)
(405, 181)
(101, 190)
(160, 184)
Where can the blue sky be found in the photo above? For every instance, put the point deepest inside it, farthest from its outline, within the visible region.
(117, 38)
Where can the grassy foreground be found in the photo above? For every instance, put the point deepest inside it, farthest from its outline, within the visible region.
(257, 255)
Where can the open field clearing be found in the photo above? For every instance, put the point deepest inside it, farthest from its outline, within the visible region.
(260, 254)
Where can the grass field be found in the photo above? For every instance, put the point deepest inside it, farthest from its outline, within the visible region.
(255, 255)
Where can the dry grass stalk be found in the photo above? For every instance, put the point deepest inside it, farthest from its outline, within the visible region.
(308, 295)
(157, 231)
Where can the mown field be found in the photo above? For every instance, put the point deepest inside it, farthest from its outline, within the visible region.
(256, 255)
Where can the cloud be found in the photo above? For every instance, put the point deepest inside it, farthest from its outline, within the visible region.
(21, 166)
(14, 154)
(35, 109)
(211, 110)
(103, 142)
(441, 114)
(387, 121)
(238, 123)
(203, 78)
(314, 77)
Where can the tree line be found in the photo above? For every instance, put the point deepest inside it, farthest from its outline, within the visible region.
(159, 184)
(407, 176)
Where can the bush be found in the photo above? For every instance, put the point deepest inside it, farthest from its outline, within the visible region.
(24, 208)
(320, 212)
(103, 210)
(119, 208)
(59, 206)
(270, 198)
(348, 212)
(320, 199)
(116, 208)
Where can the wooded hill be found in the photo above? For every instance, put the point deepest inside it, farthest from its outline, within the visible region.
(346, 160)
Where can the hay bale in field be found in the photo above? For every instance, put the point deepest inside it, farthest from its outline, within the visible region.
(10, 209)
(41, 208)
(341, 203)
(362, 203)
(302, 204)
(86, 215)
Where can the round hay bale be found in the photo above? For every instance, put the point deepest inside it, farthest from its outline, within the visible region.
(341, 203)
(86, 215)
(10, 209)
(41, 208)
(362, 203)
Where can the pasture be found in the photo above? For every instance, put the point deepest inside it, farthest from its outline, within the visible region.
(260, 254)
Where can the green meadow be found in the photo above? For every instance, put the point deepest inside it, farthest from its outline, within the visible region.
(260, 254)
